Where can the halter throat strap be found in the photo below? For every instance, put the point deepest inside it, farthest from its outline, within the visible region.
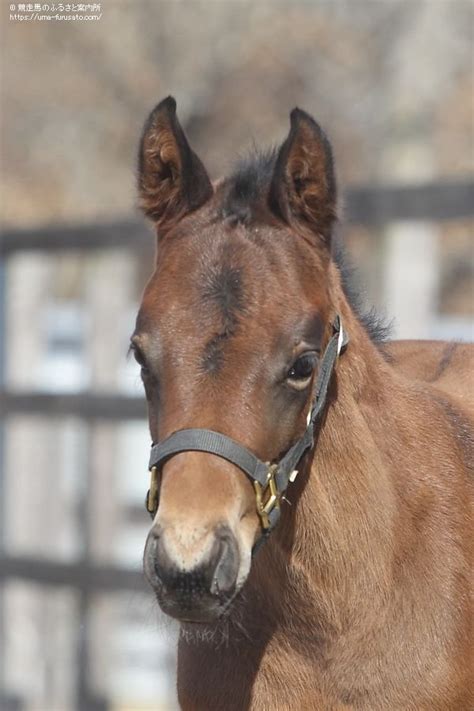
(270, 480)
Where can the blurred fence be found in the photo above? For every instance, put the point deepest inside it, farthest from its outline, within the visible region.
(434, 202)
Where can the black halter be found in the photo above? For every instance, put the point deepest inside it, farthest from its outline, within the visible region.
(270, 480)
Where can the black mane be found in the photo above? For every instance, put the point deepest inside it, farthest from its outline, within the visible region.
(376, 325)
(248, 185)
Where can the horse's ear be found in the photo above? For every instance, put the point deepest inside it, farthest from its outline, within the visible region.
(303, 186)
(172, 181)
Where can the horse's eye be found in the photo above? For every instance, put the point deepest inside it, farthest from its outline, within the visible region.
(300, 373)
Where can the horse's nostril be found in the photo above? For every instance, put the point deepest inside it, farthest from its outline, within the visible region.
(226, 564)
(156, 561)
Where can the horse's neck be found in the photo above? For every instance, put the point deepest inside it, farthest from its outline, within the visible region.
(341, 526)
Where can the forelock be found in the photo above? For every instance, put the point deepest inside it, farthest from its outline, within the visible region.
(246, 190)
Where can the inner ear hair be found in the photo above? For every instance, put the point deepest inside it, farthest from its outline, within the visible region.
(303, 185)
(172, 181)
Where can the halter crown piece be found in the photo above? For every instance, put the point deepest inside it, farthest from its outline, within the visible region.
(270, 480)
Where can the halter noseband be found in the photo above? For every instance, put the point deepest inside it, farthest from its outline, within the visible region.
(270, 480)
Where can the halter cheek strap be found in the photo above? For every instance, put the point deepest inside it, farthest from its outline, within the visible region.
(270, 480)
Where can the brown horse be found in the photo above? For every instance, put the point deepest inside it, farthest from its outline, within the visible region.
(360, 597)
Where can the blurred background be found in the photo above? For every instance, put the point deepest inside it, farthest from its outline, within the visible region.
(391, 81)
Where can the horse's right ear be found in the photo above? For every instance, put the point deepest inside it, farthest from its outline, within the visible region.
(172, 181)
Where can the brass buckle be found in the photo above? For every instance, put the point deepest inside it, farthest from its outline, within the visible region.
(152, 495)
(267, 497)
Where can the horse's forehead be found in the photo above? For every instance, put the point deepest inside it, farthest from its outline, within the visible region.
(209, 268)
(211, 281)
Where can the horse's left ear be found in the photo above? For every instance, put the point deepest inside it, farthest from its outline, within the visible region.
(303, 186)
(172, 181)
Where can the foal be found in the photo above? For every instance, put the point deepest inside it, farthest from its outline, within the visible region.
(360, 597)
